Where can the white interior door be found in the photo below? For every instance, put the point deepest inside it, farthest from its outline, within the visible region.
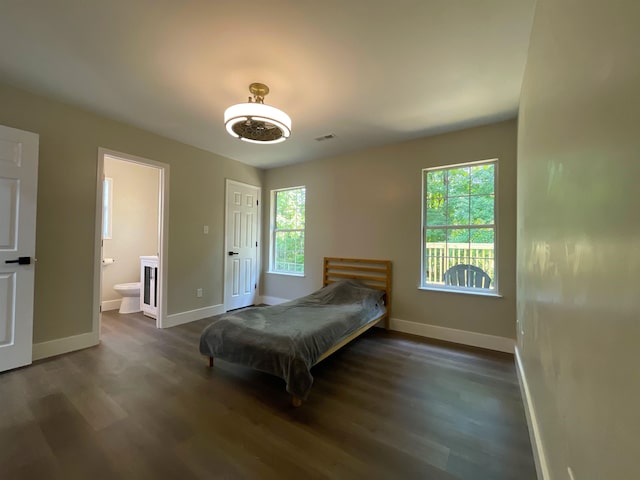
(241, 253)
(18, 192)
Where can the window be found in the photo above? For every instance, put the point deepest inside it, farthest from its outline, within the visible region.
(459, 227)
(107, 207)
(287, 230)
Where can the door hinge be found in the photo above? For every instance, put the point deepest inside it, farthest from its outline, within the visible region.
(100, 308)
(256, 244)
(257, 202)
(255, 286)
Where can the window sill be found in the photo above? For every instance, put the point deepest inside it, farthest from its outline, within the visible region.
(465, 292)
(286, 274)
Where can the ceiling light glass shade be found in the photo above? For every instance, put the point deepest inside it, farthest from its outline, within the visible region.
(256, 122)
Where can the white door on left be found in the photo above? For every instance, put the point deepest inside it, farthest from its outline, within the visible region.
(18, 195)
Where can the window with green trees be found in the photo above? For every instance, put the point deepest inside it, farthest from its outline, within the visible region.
(287, 230)
(458, 225)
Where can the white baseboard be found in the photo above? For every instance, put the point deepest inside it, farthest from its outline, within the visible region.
(64, 345)
(111, 304)
(474, 339)
(192, 315)
(532, 421)
(272, 300)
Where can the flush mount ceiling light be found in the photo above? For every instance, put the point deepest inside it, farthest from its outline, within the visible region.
(256, 122)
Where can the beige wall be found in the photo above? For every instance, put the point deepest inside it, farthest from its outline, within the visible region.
(579, 235)
(367, 204)
(135, 222)
(67, 179)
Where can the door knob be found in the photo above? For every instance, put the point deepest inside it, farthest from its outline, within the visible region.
(233, 253)
(20, 261)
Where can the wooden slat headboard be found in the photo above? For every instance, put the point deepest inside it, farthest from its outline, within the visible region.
(373, 273)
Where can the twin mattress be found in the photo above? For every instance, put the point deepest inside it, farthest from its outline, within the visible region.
(286, 340)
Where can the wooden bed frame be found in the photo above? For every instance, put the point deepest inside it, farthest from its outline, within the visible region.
(374, 274)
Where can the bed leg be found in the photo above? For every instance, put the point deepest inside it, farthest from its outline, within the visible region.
(296, 401)
(210, 362)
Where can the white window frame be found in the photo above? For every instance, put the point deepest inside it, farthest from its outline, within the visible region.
(423, 285)
(274, 230)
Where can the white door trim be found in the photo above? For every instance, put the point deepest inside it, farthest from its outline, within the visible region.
(229, 182)
(163, 234)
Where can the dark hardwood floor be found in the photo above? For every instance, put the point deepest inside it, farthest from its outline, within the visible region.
(144, 404)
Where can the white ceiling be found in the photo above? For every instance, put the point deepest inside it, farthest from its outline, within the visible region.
(370, 71)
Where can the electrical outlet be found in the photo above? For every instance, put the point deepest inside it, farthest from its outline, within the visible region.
(199, 292)
(205, 229)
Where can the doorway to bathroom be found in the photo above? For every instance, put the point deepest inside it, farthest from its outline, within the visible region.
(131, 227)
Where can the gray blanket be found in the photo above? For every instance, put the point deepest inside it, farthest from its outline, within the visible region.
(287, 339)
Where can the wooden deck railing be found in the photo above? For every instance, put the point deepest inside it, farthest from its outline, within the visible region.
(439, 257)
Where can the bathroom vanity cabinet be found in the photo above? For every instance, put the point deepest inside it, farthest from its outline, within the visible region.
(149, 286)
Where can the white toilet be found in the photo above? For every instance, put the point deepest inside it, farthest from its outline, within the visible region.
(130, 297)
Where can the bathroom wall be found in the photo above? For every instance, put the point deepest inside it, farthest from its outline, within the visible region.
(134, 224)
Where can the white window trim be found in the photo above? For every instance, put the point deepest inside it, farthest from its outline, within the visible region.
(489, 292)
(272, 235)
(484, 292)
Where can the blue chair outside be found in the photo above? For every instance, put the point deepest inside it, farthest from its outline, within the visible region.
(463, 275)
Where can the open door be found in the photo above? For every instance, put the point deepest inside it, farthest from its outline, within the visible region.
(18, 198)
(160, 282)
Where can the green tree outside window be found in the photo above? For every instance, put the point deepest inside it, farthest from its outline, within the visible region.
(459, 219)
(288, 230)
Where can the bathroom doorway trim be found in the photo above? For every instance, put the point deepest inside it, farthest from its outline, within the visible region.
(163, 229)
